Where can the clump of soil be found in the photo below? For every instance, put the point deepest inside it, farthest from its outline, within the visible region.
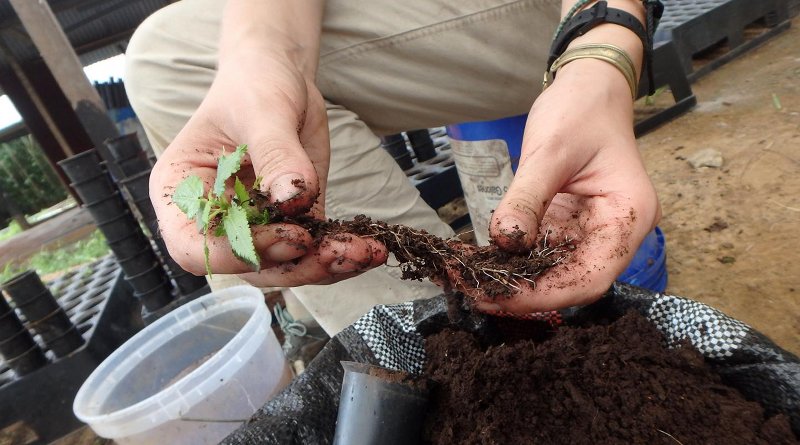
(600, 384)
(422, 255)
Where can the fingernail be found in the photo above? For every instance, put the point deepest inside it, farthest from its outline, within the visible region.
(287, 187)
(285, 251)
(344, 265)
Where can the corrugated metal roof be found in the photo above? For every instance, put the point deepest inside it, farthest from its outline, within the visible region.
(97, 29)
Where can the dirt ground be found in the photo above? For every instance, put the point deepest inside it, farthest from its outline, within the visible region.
(732, 232)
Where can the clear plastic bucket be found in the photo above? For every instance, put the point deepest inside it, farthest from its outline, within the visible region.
(192, 377)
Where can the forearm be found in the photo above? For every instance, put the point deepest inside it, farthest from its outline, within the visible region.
(287, 29)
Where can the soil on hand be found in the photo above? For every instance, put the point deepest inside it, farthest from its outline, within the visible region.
(600, 384)
(495, 272)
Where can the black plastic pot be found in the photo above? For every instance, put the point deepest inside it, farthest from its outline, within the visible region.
(148, 279)
(17, 343)
(82, 166)
(140, 261)
(395, 144)
(128, 246)
(124, 147)
(24, 287)
(376, 408)
(145, 207)
(28, 361)
(422, 144)
(188, 283)
(128, 154)
(107, 208)
(52, 326)
(9, 323)
(119, 226)
(138, 185)
(39, 307)
(155, 298)
(94, 188)
(67, 343)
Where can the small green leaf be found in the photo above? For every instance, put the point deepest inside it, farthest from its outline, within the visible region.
(241, 191)
(189, 196)
(228, 165)
(238, 232)
(260, 219)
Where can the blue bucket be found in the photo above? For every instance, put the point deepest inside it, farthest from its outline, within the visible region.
(648, 269)
(509, 129)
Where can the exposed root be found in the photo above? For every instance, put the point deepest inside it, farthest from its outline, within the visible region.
(422, 255)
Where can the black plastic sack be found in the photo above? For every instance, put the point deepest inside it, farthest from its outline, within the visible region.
(392, 337)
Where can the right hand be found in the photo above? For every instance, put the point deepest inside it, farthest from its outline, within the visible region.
(267, 103)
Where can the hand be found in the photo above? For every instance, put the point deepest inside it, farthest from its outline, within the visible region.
(269, 104)
(580, 176)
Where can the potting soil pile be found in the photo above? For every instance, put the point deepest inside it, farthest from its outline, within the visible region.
(394, 336)
(604, 383)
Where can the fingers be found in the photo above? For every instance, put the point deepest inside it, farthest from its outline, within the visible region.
(291, 153)
(334, 259)
(287, 173)
(540, 175)
(605, 234)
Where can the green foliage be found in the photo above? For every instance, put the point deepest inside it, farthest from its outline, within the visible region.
(61, 259)
(238, 232)
(26, 178)
(188, 196)
(229, 218)
(10, 231)
(228, 165)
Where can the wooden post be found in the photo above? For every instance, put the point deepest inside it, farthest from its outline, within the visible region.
(58, 54)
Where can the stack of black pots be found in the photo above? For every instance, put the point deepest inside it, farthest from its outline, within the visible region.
(125, 237)
(43, 313)
(19, 350)
(128, 155)
(421, 143)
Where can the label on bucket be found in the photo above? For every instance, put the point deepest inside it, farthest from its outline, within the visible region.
(484, 168)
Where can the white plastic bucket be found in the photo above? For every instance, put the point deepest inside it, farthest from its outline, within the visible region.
(191, 377)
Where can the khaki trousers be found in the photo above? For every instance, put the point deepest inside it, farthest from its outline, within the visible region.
(384, 67)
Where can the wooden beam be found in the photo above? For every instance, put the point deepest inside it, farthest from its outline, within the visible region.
(60, 57)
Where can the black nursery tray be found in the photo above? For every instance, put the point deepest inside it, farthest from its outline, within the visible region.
(101, 304)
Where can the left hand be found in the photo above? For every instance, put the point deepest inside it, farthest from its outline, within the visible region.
(580, 176)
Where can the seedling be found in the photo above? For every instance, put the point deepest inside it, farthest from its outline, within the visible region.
(496, 273)
(218, 215)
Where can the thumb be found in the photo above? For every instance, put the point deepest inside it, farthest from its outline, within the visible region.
(288, 174)
(515, 222)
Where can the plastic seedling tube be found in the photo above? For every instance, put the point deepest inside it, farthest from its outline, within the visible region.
(83, 165)
(119, 226)
(24, 287)
(28, 361)
(39, 306)
(124, 147)
(422, 144)
(17, 343)
(150, 278)
(395, 144)
(94, 188)
(107, 208)
(380, 406)
(141, 260)
(128, 246)
(155, 298)
(66, 343)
